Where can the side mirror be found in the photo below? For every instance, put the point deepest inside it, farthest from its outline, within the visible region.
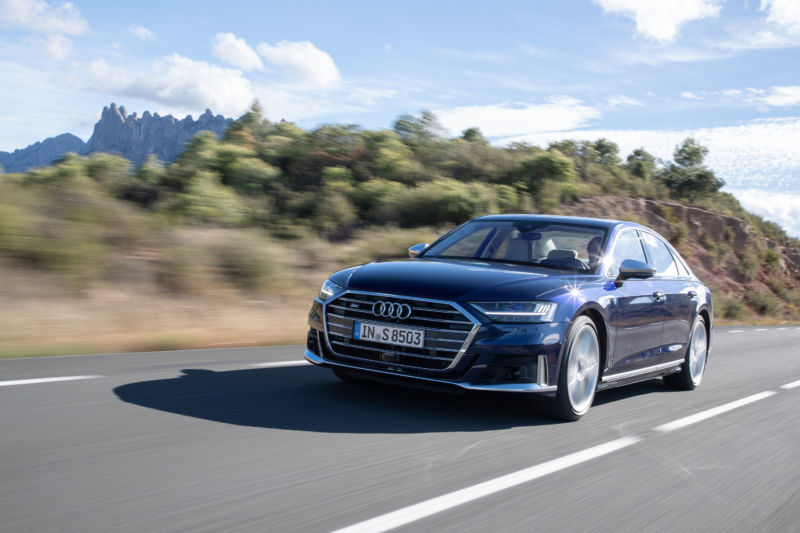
(417, 249)
(633, 269)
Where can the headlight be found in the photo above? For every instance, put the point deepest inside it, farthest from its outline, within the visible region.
(517, 311)
(329, 289)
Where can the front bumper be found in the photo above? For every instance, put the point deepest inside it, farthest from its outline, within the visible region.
(311, 357)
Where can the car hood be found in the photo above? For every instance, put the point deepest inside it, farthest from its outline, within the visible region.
(460, 279)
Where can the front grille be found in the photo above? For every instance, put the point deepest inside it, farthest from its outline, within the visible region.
(446, 331)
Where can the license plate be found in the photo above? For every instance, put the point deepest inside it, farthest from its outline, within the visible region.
(369, 331)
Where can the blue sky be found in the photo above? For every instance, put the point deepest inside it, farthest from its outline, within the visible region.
(640, 72)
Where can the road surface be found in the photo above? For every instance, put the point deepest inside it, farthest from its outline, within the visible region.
(252, 439)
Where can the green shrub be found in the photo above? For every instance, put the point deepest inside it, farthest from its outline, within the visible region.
(732, 308)
(206, 200)
(679, 233)
(384, 242)
(772, 259)
(244, 261)
(764, 303)
(749, 265)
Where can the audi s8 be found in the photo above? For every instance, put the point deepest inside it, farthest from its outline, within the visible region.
(524, 304)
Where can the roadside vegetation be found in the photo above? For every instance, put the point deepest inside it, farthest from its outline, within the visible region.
(227, 244)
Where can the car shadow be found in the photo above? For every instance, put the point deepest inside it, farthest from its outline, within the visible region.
(313, 399)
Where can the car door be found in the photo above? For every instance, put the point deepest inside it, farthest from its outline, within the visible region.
(639, 315)
(679, 293)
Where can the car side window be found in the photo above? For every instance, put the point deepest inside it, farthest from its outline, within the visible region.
(628, 246)
(659, 255)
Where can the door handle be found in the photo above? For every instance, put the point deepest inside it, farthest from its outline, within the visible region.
(658, 295)
(691, 294)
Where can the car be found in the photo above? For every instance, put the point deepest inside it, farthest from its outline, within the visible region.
(529, 304)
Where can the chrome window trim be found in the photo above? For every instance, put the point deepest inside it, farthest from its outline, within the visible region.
(613, 243)
(467, 342)
(640, 371)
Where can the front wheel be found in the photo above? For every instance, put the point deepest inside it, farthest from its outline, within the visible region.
(694, 365)
(579, 371)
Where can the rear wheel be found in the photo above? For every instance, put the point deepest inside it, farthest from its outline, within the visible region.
(694, 365)
(579, 371)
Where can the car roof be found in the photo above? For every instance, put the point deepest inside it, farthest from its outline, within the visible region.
(586, 221)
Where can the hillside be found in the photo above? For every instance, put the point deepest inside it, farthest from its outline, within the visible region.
(228, 244)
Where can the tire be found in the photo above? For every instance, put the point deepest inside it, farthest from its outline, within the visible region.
(579, 372)
(694, 364)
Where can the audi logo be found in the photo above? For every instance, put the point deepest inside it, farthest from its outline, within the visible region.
(391, 310)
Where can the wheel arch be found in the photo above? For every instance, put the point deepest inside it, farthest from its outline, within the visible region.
(595, 313)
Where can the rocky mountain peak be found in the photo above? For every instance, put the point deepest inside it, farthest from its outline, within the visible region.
(117, 132)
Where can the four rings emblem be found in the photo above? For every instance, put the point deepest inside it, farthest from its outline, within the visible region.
(391, 310)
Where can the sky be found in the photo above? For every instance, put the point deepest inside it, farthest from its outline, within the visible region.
(639, 72)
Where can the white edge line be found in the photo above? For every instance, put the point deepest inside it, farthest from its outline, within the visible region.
(714, 411)
(282, 363)
(791, 385)
(44, 380)
(436, 505)
(736, 331)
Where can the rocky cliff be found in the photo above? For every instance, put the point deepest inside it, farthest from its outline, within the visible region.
(136, 137)
(116, 132)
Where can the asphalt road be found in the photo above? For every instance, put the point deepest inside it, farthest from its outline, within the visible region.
(203, 440)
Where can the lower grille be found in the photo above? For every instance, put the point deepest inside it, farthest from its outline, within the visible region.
(447, 331)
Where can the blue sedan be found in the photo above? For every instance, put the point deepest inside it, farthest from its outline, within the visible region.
(557, 306)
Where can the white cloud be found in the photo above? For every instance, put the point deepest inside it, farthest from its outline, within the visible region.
(781, 96)
(304, 61)
(57, 46)
(179, 82)
(621, 100)
(784, 13)
(781, 208)
(41, 17)
(140, 32)
(52, 22)
(236, 52)
(688, 95)
(515, 119)
(661, 19)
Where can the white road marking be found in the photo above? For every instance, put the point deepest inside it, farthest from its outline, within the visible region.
(436, 505)
(44, 380)
(780, 329)
(791, 385)
(736, 331)
(282, 363)
(760, 329)
(714, 411)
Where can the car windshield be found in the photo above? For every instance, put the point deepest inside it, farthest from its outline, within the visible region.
(558, 245)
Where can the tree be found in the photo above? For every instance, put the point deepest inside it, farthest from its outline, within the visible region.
(641, 163)
(687, 177)
(418, 131)
(607, 152)
(474, 135)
